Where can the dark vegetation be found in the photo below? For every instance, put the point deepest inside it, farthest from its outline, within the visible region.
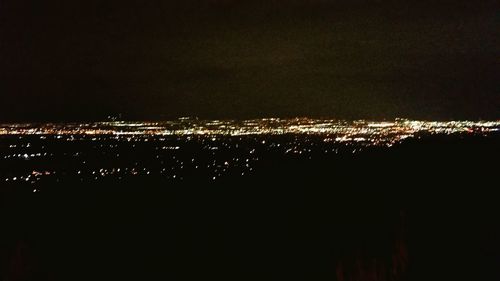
(422, 210)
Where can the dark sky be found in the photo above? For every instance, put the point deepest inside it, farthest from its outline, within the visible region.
(82, 60)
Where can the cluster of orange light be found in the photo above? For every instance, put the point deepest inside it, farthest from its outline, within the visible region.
(335, 130)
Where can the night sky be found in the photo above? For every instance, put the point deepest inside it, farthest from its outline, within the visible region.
(84, 60)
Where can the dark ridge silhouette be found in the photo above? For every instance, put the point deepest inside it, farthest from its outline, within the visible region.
(421, 210)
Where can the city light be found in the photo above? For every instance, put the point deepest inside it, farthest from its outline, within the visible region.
(207, 148)
(376, 133)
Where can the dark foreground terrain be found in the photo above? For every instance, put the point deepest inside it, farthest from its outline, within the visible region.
(425, 209)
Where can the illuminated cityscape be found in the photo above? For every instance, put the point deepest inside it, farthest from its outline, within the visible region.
(244, 140)
(182, 148)
(375, 133)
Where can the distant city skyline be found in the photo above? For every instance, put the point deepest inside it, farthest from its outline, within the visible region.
(180, 148)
